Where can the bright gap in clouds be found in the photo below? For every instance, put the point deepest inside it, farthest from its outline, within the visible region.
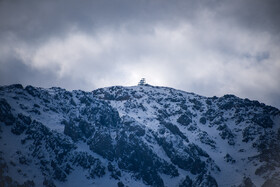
(208, 60)
(204, 54)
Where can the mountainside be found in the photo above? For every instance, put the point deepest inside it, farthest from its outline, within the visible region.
(135, 136)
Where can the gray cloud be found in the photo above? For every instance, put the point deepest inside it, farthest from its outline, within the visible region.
(35, 18)
(255, 15)
(207, 47)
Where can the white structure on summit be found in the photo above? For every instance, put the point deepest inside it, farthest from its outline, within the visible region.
(142, 82)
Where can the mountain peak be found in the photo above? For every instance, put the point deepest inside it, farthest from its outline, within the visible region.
(135, 136)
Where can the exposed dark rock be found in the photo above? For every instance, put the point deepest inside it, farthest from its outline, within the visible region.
(5, 113)
(202, 120)
(184, 120)
(205, 180)
(174, 129)
(161, 133)
(187, 182)
(273, 182)
(247, 182)
(228, 158)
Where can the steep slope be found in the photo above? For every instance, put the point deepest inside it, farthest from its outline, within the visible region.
(135, 136)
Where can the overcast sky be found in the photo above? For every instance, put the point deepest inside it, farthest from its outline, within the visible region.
(207, 47)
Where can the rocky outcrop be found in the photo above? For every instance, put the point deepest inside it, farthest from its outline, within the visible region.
(126, 136)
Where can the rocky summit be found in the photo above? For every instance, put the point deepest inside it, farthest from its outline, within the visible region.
(135, 136)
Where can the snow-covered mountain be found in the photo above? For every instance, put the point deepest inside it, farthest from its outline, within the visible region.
(135, 136)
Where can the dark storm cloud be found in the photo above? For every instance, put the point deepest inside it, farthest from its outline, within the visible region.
(33, 19)
(15, 72)
(43, 18)
(253, 14)
(208, 47)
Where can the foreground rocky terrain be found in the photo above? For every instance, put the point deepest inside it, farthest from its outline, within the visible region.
(135, 136)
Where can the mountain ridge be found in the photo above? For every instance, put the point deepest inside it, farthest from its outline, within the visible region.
(139, 135)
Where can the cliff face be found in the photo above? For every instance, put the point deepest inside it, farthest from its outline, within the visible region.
(135, 136)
